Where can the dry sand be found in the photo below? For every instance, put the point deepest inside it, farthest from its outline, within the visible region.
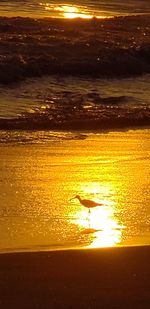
(98, 278)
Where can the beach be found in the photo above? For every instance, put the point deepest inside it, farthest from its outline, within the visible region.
(55, 255)
(97, 278)
(74, 154)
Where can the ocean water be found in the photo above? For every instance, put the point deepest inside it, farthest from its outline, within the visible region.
(74, 119)
(71, 103)
(74, 74)
(82, 8)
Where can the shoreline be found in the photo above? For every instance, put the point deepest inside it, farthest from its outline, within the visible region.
(89, 278)
(30, 251)
(99, 126)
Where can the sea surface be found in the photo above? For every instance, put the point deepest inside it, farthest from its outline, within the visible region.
(74, 73)
(75, 103)
(71, 8)
(74, 120)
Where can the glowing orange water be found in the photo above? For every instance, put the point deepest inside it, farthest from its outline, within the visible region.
(71, 11)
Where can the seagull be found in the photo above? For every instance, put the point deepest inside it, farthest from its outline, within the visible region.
(87, 203)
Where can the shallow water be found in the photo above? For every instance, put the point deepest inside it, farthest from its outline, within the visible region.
(51, 102)
(38, 181)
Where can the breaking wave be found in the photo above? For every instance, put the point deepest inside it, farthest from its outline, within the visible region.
(113, 47)
(82, 112)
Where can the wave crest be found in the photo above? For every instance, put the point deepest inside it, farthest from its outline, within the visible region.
(79, 112)
(114, 47)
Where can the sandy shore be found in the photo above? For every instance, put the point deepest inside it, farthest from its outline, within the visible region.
(98, 278)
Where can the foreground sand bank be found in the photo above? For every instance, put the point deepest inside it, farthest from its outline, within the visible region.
(98, 278)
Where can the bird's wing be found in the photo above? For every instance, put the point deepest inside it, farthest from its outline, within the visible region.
(89, 203)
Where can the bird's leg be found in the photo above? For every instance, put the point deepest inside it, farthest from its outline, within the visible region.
(89, 211)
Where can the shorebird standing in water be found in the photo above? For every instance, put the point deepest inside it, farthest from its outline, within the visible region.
(87, 203)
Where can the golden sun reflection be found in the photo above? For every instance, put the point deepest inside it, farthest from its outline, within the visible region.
(100, 226)
(74, 12)
(69, 11)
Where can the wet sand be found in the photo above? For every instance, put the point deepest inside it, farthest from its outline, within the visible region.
(42, 171)
(97, 278)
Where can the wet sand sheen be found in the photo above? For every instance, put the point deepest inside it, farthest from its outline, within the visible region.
(38, 180)
(104, 278)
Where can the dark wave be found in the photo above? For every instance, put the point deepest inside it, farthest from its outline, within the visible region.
(80, 114)
(104, 123)
(114, 47)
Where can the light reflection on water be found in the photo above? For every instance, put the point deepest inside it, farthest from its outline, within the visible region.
(71, 11)
(100, 225)
(38, 181)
